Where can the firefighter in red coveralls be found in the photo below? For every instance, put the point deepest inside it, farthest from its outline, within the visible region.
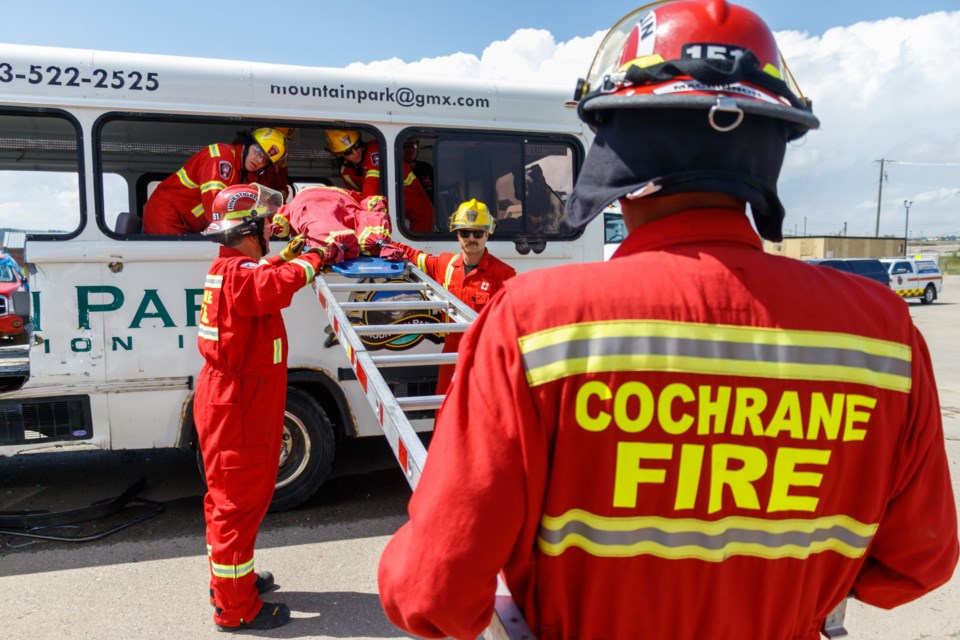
(725, 450)
(360, 171)
(240, 396)
(474, 275)
(183, 202)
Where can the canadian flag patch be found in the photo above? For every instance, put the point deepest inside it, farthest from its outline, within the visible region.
(226, 170)
(484, 286)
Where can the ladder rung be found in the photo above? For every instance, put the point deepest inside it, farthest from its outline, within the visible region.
(402, 329)
(420, 403)
(379, 286)
(414, 359)
(394, 305)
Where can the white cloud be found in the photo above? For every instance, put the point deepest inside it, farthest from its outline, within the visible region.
(529, 55)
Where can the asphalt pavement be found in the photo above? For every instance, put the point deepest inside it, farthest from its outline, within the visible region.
(148, 581)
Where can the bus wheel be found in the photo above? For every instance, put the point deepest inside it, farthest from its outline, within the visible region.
(929, 295)
(306, 451)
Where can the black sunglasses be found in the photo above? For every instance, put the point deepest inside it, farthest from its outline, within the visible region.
(466, 233)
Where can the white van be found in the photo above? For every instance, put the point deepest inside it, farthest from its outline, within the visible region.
(86, 135)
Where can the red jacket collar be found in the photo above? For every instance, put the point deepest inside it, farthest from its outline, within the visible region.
(692, 226)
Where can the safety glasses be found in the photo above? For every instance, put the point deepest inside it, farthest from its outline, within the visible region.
(466, 233)
(348, 152)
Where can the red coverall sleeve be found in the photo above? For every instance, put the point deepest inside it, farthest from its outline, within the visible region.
(269, 287)
(432, 265)
(371, 170)
(915, 547)
(211, 175)
(437, 576)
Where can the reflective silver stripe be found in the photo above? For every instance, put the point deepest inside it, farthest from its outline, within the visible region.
(308, 269)
(214, 151)
(231, 571)
(185, 179)
(711, 541)
(278, 351)
(213, 281)
(448, 276)
(213, 185)
(209, 333)
(714, 349)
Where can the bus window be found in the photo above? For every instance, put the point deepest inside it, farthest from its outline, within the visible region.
(136, 154)
(524, 181)
(40, 185)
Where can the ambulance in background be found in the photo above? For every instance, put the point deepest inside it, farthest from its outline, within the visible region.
(917, 276)
(86, 135)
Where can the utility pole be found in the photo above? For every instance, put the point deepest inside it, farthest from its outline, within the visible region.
(804, 226)
(906, 230)
(876, 232)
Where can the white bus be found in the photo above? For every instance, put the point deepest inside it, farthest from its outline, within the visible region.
(86, 135)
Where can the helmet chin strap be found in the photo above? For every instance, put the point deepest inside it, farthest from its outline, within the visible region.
(264, 247)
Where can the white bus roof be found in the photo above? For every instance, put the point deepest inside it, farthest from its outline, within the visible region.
(49, 76)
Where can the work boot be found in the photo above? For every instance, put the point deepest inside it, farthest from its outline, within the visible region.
(271, 616)
(263, 584)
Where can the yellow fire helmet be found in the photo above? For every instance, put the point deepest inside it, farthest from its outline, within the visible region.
(273, 143)
(339, 140)
(473, 214)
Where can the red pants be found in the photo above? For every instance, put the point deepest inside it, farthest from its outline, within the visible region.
(239, 424)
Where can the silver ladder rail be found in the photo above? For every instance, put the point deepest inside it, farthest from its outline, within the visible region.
(508, 622)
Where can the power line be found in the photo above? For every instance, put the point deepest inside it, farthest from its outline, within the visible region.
(925, 164)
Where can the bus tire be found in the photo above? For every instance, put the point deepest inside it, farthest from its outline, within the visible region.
(307, 449)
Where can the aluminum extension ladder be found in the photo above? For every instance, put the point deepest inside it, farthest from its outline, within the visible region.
(366, 275)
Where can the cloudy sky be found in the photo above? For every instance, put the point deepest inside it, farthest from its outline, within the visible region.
(884, 76)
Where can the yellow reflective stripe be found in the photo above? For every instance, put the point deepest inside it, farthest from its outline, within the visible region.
(308, 269)
(711, 541)
(278, 351)
(409, 179)
(448, 276)
(284, 223)
(368, 231)
(197, 211)
(231, 571)
(185, 179)
(213, 185)
(654, 345)
(214, 151)
(208, 333)
(373, 173)
(422, 261)
(213, 281)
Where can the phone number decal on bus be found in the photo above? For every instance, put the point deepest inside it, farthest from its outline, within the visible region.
(55, 76)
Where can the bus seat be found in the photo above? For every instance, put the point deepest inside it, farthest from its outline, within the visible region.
(129, 223)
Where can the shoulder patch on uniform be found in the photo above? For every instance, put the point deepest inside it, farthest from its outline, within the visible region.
(375, 159)
(249, 265)
(226, 169)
